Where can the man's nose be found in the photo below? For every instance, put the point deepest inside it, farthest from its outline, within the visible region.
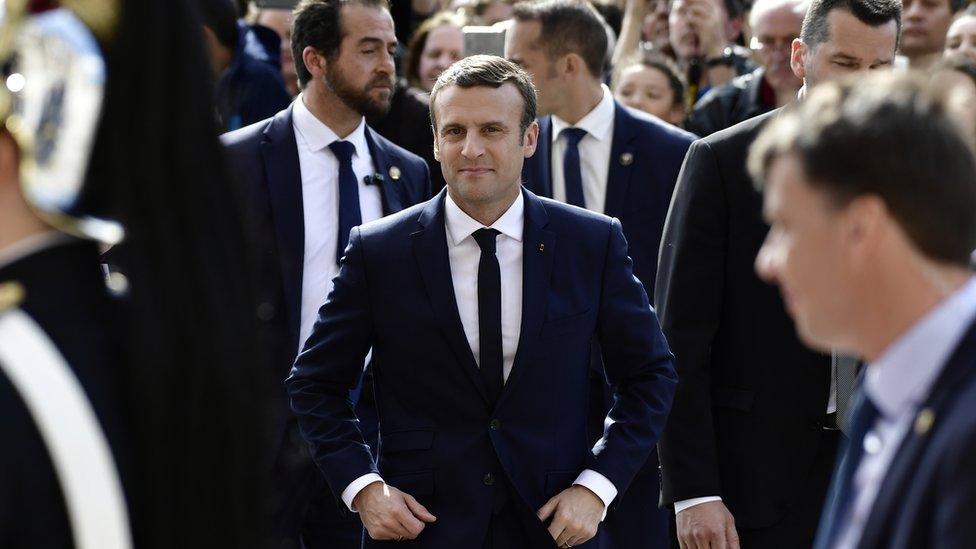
(473, 146)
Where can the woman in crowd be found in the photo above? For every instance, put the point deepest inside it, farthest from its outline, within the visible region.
(436, 45)
(961, 37)
(653, 85)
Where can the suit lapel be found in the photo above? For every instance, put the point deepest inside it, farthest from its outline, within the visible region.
(284, 179)
(538, 247)
(901, 472)
(621, 165)
(382, 163)
(430, 249)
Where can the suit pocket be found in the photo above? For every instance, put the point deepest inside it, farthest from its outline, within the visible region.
(557, 481)
(733, 397)
(404, 441)
(562, 325)
(420, 483)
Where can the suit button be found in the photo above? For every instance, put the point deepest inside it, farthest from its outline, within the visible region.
(495, 425)
(489, 479)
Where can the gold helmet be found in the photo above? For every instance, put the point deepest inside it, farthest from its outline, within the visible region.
(52, 84)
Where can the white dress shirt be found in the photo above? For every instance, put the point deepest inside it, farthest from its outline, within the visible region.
(594, 151)
(465, 254)
(320, 205)
(898, 384)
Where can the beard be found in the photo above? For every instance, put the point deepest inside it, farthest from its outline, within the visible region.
(359, 99)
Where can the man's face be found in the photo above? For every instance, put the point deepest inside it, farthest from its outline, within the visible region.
(523, 49)
(479, 143)
(361, 74)
(444, 46)
(280, 22)
(852, 46)
(924, 26)
(774, 31)
(806, 254)
(961, 38)
(684, 26)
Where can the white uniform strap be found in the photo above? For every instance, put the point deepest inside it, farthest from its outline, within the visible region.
(74, 439)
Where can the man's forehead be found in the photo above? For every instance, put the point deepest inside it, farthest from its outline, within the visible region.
(360, 21)
(849, 35)
(478, 104)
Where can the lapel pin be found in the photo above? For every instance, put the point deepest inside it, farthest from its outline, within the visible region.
(394, 173)
(626, 159)
(11, 294)
(924, 421)
(542, 247)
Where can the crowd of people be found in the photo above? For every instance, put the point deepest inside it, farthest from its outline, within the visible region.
(619, 274)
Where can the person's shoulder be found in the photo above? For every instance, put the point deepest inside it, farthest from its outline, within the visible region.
(404, 222)
(562, 215)
(249, 135)
(726, 93)
(652, 127)
(739, 137)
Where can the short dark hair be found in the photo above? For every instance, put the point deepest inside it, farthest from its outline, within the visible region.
(888, 135)
(816, 29)
(220, 16)
(415, 49)
(491, 71)
(569, 26)
(318, 23)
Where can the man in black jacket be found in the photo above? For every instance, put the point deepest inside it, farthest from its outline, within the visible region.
(749, 435)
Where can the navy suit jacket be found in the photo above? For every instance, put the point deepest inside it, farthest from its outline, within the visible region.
(265, 157)
(436, 442)
(928, 496)
(645, 159)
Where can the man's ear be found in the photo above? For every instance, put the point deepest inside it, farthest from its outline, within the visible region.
(437, 150)
(314, 61)
(530, 139)
(798, 57)
(864, 226)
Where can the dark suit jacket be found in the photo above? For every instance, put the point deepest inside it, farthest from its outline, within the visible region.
(928, 496)
(438, 440)
(645, 158)
(747, 417)
(65, 295)
(265, 156)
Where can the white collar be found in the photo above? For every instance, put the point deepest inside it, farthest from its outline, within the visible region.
(901, 377)
(597, 122)
(461, 225)
(319, 136)
(31, 245)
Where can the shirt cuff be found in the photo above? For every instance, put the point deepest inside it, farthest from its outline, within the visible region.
(351, 491)
(680, 506)
(599, 485)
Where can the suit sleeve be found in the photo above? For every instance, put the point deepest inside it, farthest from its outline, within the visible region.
(328, 368)
(638, 366)
(688, 294)
(954, 526)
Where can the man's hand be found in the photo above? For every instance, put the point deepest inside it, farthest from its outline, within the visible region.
(576, 514)
(707, 526)
(388, 513)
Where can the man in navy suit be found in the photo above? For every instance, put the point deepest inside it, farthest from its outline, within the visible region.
(480, 306)
(312, 172)
(596, 153)
(869, 189)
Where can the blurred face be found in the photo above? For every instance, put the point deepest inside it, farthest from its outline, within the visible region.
(479, 144)
(961, 38)
(852, 46)
(522, 48)
(805, 254)
(962, 98)
(655, 25)
(444, 46)
(495, 12)
(773, 33)
(924, 26)
(683, 30)
(280, 22)
(362, 73)
(649, 90)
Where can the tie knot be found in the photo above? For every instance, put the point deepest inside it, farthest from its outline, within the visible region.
(486, 239)
(343, 150)
(573, 136)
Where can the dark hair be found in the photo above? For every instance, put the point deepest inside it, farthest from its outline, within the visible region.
(661, 63)
(888, 135)
(418, 41)
(816, 29)
(957, 5)
(569, 26)
(220, 16)
(491, 71)
(194, 383)
(318, 23)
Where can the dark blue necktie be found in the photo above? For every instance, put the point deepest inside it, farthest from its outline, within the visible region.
(863, 416)
(571, 167)
(489, 314)
(349, 214)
